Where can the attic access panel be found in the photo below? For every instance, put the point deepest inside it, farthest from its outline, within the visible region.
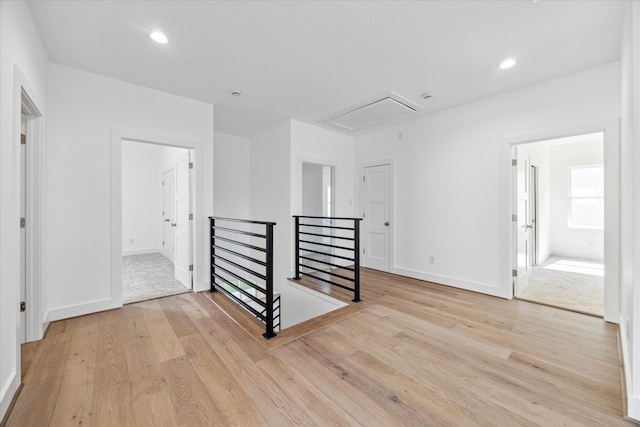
(373, 112)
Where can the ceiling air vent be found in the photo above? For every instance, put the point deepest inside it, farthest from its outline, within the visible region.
(387, 107)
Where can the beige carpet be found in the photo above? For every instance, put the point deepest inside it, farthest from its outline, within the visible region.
(569, 283)
(148, 276)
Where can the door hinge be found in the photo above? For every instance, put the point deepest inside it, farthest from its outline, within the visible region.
(363, 252)
(23, 306)
(23, 223)
(514, 162)
(163, 243)
(191, 267)
(190, 165)
(362, 214)
(190, 216)
(23, 139)
(514, 273)
(514, 217)
(363, 179)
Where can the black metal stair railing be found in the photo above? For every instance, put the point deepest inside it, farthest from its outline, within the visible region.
(328, 252)
(243, 270)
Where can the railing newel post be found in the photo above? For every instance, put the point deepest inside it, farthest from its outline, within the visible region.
(212, 224)
(297, 250)
(356, 261)
(269, 285)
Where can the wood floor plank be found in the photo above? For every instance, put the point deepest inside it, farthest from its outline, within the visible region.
(181, 324)
(38, 398)
(165, 341)
(112, 405)
(303, 394)
(75, 401)
(235, 406)
(193, 405)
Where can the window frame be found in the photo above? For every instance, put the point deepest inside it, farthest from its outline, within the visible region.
(570, 197)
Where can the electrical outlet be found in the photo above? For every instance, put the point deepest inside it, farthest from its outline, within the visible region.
(432, 259)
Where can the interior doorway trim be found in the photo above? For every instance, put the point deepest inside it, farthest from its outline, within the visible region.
(26, 98)
(611, 145)
(198, 228)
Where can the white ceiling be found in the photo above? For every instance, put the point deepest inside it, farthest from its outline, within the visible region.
(307, 60)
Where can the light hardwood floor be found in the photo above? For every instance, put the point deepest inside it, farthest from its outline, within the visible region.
(413, 353)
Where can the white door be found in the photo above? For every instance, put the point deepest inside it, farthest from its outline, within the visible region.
(376, 217)
(23, 230)
(523, 222)
(168, 214)
(183, 223)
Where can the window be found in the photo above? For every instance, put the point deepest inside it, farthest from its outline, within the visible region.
(586, 197)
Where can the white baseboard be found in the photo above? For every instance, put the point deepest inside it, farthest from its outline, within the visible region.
(8, 393)
(482, 288)
(633, 401)
(82, 309)
(142, 252)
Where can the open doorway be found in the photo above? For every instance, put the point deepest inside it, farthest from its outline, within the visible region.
(560, 187)
(156, 221)
(317, 200)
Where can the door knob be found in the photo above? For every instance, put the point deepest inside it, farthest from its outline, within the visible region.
(166, 220)
(386, 223)
(173, 224)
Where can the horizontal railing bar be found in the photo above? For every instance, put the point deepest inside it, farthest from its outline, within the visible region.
(324, 253)
(241, 267)
(235, 242)
(243, 291)
(245, 221)
(326, 235)
(327, 281)
(239, 255)
(244, 304)
(233, 230)
(327, 245)
(327, 226)
(351, 279)
(237, 276)
(327, 263)
(326, 217)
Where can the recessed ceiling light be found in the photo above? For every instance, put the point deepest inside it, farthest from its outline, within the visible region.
(235, 92)
(158, 37)
(507, 63)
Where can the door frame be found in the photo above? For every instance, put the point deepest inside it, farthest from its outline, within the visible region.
(25, 97)
(611, 147)
(199, 227)
(364, 242)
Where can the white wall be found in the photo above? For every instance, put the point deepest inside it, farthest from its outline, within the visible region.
(23, 62)
(232, 169)
(85, 109)
(565, 240)
(270, 192)
(448, 174)
(630, 211)
(141, 199)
